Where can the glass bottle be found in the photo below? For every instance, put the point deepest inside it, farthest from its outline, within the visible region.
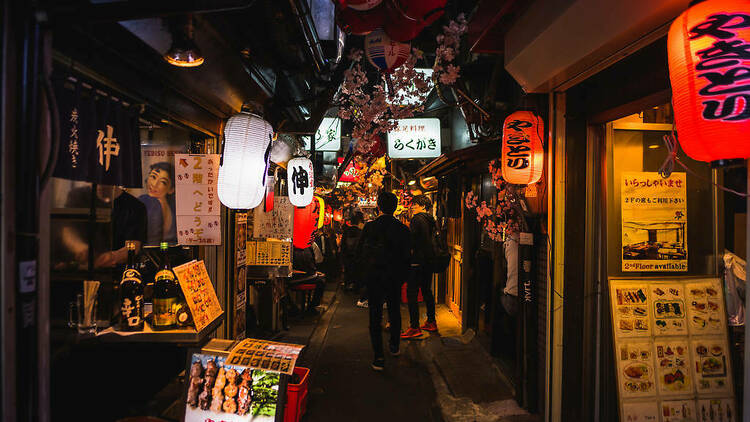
(131, 294)
(166, 294)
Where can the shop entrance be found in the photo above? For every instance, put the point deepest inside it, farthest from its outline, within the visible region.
(454, 281)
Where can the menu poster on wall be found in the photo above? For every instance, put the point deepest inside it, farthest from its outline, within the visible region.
(640, 412)
(277, 223)
(630, 303)
(716, 410)
(673, 367)
(635, 365)
(711, 364)
(654, 222)
(668, 306)
(198, 206)
(705, 307)
(199, 293)
(678, 411)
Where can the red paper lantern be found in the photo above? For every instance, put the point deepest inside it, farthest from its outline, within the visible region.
(338, 215)
(360, 23)
(523, 148)
(709, 69)
(305, 223)
(360, 4)
(384, 53)
(378, 148)
(407, 18)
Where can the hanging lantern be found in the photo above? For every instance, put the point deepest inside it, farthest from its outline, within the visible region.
(708, 69)
(360, 23)
(320, 210)
(523, 148)
(378, 148)
(300, 181)
(384, 53)
(305, 222)
(360, 4)
(241, 180)
(405, 19)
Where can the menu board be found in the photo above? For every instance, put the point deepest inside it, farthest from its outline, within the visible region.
(199, 293)
(673, 367)
(716, 410)
(706, 307)
(711, 357)
(197, 203)
(678, 411)
(668, 306)
(630, 306)
(671, 348)
(268, 355)
(635, 373)
(640, 412)
(277, 223)
(269, 252)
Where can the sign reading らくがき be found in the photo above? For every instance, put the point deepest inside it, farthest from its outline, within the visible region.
(654, 222)
(415, 138)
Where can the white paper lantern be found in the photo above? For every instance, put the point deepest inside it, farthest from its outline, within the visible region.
(300, 181)
(245, 160)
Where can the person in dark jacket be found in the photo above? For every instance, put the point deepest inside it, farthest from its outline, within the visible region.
(384, 253)
(349, 241)
(422, 226)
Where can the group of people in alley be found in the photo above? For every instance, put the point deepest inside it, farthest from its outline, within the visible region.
(379, 257)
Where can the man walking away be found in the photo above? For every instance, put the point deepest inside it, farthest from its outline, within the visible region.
(422, 226)
(384, 253)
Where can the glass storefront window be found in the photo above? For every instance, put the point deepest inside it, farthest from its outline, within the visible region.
(655, 234)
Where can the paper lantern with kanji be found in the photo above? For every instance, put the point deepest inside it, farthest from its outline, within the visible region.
(384, 53)
(300, 181)
(407, 18)
(305, 223)
(523, 148)
(360, 23)
(709, 68)
(320, 210)
(241, 179)
(360, 4)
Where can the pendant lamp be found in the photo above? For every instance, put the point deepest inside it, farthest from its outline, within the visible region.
(523, 148)
(241, 182)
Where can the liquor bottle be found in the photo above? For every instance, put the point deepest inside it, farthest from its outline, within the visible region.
(184, 317)
(131, 294)
(166, 295)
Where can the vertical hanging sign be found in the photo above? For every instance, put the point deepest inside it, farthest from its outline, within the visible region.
(654, 222)
(240, 277)
(198, 207)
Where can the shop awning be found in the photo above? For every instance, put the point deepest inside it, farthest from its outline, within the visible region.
(472, 159)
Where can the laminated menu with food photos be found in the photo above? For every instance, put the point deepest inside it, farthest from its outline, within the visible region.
(687, 371)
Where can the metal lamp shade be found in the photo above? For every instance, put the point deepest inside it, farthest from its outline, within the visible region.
(241, 175)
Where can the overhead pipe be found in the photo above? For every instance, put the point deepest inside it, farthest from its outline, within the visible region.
(301, 11)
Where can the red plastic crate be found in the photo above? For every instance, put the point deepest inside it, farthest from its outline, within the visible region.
(296, 396)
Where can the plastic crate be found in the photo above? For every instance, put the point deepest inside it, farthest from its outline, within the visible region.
(296, 396)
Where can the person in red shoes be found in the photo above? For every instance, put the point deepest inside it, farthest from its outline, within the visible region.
(422, 225)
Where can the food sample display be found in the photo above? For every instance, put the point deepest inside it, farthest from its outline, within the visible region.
(705, 308)
(636, 369)
(668, 306)
(630, 305)
(711, 365)
(673, 367)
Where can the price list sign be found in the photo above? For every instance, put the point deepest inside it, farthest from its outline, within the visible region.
(197, 203)
(199, 293)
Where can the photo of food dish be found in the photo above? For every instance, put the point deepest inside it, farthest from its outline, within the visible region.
(673, 367)
(711, 367)
(636, 369)
(705, 307)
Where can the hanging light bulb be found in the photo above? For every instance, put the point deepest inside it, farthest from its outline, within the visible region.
(184, 52)
(241, 182)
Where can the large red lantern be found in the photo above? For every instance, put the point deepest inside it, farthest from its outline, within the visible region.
(523, 148)
(407, 18)
(306, 220)
(709, 67)
(360, 4)
(360, 22)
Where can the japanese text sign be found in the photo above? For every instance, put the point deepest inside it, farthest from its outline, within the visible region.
(328, 135)
(415, 138)
(197, 203)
